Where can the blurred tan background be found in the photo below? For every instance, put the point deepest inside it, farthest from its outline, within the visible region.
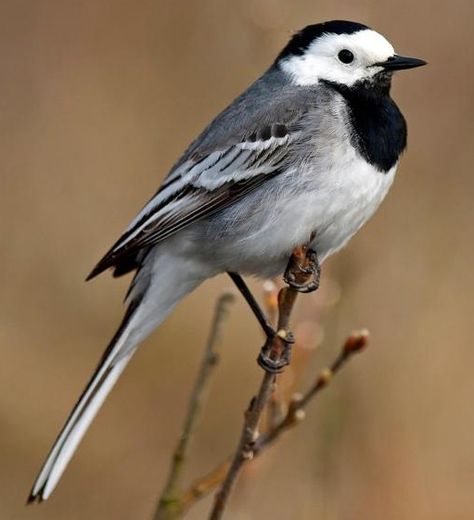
(97, 100)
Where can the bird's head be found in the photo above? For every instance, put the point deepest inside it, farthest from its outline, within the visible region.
(341, 52)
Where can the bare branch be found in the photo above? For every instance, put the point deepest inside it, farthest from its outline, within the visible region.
(298, 269)
(170, 505)
(295, 414)
(205, 485)
(174, 503)
(355, 343)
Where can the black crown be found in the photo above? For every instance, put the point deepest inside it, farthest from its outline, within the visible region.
(303, 39)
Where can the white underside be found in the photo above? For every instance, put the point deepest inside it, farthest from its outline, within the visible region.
(332, 215)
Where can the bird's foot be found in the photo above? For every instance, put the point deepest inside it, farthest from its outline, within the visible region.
(274, 364)
(297, 272)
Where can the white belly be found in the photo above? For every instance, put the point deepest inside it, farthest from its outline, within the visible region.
(328, 199)
(353, 199)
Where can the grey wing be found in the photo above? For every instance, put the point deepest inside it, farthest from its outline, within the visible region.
(200, 187)
(209, 178)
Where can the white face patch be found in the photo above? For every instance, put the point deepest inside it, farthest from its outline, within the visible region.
(320, 60)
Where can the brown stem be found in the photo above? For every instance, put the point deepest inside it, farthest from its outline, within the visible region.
(205, 485)
(246, 447)
(170, 504)
(356, 342)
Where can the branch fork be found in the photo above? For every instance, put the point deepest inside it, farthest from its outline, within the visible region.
(302, 275)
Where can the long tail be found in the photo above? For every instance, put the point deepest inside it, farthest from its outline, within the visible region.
(144, 313)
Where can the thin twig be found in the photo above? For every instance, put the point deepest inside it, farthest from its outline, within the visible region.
(278, 349)
(270, 304)
(170, 504)
(355, 343)
(204, 485)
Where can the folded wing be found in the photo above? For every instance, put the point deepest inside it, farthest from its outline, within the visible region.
(200, 186)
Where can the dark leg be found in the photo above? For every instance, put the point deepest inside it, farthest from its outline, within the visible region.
(313, 267)
(264, 359)
(249, 298)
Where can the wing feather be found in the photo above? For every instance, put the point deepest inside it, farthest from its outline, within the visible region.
(198, 188)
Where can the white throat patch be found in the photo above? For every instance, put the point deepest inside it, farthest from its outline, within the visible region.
(320, 60)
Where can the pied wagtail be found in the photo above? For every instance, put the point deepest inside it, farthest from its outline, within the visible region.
(303, 157)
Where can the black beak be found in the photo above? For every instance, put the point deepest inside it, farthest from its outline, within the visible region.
(397, 62)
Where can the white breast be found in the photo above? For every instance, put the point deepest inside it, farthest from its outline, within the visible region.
(347, 203)
(332, 206)
(260, 236)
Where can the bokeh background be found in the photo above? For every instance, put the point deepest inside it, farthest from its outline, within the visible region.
(97, 100)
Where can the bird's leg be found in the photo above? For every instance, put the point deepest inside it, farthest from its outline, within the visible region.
(265, 359)
(295, 270)
(268, 330)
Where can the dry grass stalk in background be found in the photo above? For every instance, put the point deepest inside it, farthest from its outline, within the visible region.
(170, 505)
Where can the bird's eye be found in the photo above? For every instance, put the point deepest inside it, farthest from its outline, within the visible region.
(346, 56)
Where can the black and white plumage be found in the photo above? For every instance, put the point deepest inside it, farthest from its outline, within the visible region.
(308, 152)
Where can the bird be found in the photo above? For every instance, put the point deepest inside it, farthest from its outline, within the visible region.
(304, 156)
